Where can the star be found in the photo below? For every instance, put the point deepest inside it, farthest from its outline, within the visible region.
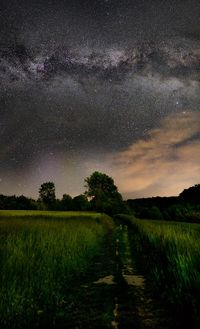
(81, 84)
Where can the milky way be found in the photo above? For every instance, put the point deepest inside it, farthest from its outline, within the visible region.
(84, 84)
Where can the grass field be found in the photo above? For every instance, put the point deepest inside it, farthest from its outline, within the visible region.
(171, 254)
(45, 214)
(45, 256)
(41, 254)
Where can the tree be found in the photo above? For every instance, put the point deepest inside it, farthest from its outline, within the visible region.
(103, 193)
(99, 183)
(47, 194)
(192, 194)
(80, 202)
(66, 202)
(17, 202)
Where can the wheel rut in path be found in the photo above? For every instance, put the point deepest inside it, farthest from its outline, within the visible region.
(134, 307)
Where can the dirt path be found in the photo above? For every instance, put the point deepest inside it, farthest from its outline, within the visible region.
(112, 294)
(135, 307)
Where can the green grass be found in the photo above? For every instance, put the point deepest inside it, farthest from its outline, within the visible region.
(45, 214)
(171, 256)
(40, 259)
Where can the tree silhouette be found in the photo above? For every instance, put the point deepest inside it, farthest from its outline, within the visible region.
(192, 194)
(66, 202)
(47, 194)
(103, 193)
(80, 202)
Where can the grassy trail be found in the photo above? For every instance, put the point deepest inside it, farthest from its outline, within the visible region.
(73, 270)
(114, 294)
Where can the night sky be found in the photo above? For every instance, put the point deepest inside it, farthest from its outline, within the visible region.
(100, 85)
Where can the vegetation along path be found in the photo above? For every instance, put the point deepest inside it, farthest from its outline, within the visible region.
(78, 270)
(112, 293)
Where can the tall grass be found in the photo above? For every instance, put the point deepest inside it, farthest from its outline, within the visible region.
(171, 252)
(39, 259)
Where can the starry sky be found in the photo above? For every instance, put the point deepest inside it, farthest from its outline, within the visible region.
(102, 85)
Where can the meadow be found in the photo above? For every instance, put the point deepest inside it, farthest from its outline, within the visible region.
(170, 255)
(41, 254)
(50, 261)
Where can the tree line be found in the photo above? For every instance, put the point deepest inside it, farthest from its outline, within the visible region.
(185, 207)
(102, 195)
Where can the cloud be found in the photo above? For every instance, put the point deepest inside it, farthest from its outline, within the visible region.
(164, 163)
